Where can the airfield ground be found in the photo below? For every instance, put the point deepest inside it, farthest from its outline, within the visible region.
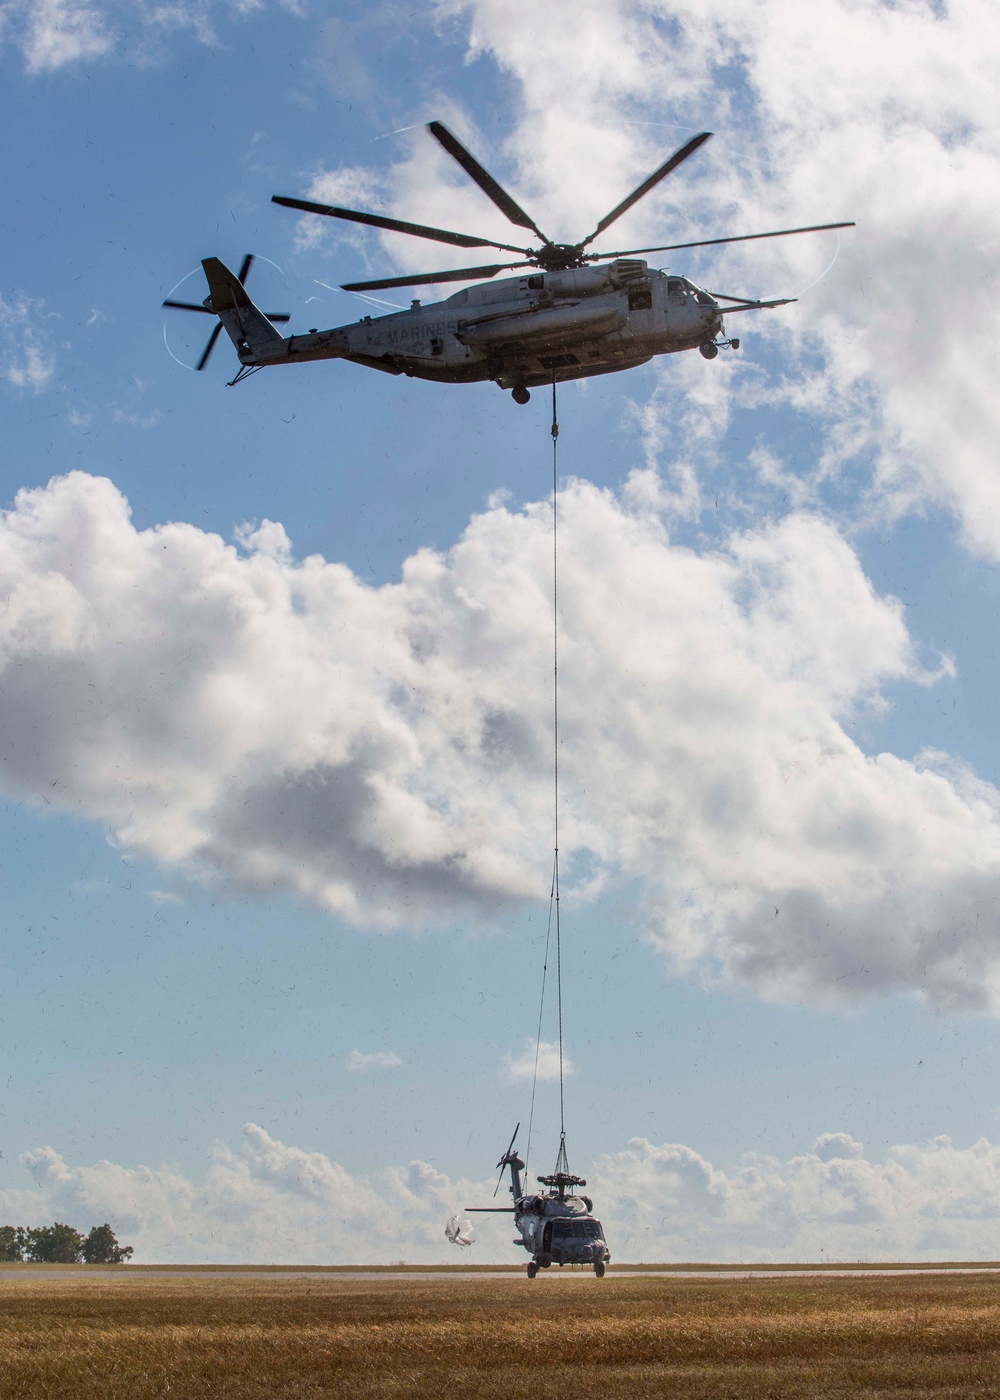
(135, 1334)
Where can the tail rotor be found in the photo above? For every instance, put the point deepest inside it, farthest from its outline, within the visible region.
(206, 309)
(504, 1160)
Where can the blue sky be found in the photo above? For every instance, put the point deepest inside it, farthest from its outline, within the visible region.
(780, 668)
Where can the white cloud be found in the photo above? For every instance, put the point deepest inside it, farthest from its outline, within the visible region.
(382, 751)
(923, 1202)
(832, 1147)
(375, 1059)
(136, 420)
(24, 360)
(268, 1202)
(58, 32)
(54, 34)
(522, 1066)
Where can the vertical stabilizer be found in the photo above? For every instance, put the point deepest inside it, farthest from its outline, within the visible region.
(513, 1161)
(248, 328)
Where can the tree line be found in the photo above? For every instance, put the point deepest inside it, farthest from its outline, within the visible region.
(61, 1244)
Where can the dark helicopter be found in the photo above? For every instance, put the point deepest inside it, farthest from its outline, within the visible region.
(564, 320)
(557, 1226)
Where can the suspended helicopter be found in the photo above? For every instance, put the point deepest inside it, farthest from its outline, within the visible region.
(555, 1226)
(564, 317)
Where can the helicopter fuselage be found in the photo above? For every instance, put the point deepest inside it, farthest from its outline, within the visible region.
(555, 1226)
(519, 332)
(560, 1231)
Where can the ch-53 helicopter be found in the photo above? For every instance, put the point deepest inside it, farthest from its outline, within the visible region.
(565, 319)
(556, 1226)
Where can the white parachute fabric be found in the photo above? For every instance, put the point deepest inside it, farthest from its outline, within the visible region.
(460, 1231)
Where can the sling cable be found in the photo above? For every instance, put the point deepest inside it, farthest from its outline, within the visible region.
(556, 1226)
(554, 921)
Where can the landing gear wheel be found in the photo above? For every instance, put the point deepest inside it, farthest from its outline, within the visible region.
(532, 1269)
(709, 350)
(599, 1268)
(520, 394)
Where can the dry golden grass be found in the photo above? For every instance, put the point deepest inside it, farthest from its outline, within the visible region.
(134, 1336)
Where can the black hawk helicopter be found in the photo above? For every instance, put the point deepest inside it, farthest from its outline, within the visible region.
(555, 1226)
(560, 319)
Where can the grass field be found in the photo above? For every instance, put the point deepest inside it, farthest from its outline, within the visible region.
(123, 1333)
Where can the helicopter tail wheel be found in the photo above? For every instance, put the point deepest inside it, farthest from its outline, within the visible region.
(709, 350)
(599, 1268)
(520, 394)
(532, 1269)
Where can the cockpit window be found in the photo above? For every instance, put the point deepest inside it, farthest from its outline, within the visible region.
(577, 1230)
(675, 286)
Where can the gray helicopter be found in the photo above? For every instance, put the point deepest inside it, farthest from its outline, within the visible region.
(557, 1226)
(562, 318)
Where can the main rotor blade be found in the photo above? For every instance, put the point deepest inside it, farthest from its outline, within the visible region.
(654, 179)
(276, 320)
(712, 242)
(426, 279)
(354, 216)
(490, 187)
(241, 276)
(209, 347)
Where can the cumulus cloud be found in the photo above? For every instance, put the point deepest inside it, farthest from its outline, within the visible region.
(523, 1065)
(375, 1059)
(267, 1202)
(233, 712)
(829, 1147)
(925, 1201)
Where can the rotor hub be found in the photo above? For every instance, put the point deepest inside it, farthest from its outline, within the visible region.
(561, 257)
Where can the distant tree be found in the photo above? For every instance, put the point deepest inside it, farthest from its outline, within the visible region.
(101, 1247)
(11, 1244)
(53, 1244)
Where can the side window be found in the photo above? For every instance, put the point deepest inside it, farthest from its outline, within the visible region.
(640, 299)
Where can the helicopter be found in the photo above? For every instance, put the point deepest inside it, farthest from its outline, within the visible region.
(570, 314)
(556, 1226)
